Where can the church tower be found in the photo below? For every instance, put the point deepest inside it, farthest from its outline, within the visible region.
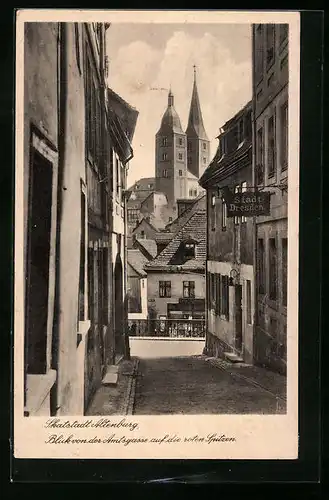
(198, 145)
(170, 157)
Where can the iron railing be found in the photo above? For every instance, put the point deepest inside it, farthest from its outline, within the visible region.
(171, 328)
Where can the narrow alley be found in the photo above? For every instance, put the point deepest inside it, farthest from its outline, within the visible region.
(201, 385)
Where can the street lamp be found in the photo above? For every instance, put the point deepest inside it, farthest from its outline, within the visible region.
(234, 277)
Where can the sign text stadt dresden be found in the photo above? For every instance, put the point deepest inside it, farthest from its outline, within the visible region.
(248, 203)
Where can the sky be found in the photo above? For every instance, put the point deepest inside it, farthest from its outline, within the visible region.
(150, 56)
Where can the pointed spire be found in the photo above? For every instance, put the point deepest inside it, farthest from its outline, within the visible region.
(195, 121)
(170, 98)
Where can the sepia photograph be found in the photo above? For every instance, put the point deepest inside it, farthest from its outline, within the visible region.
(156, 226)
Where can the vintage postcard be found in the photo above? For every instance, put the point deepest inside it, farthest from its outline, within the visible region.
(156, 234)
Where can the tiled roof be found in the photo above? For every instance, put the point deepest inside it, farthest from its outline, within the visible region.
(164, 236)
(149, 245)
(194, 228)
(198, 206)
(137, 261)
(223, 167)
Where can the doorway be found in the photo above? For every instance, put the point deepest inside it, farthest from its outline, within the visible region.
(238, 317)
(38, 261)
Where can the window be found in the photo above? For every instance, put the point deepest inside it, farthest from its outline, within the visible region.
(150, 186)
(117, 176)
(170, 219)
(271, 147)
(204, 159)
(195, 192)
(189, 146)
(189, 250)
(218, 295)
(81, 313)
(284, 270)
(204, 145)
(272, 269)
(283, 33)
(213, 212)
(224, 215)
(259, 174)
(270, 44)
(180, 173)
(284, 136)
(132, 215)
(259, 54)
(248, 285)
(189, 160)
(180, 141)
(189, 289)
(236, 217)
(213, 290)
(225, 309)
(165, 289)
(142, 233)
(38, 259)
(180, 156)
(261, 266)
(93, 116)
(243, 190)
(165, 173)
(164, 156)
(164, 141)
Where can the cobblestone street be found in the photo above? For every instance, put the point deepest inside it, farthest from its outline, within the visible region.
(200, 385)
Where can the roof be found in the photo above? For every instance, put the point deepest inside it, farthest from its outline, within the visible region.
(128, 114)
(223, 167)
(143, 184)
(137, 261)
(195, 124)
(164, 236)
(237, 115)
(198, 206)
(145, 219)
(195, 228)
(149, 246)
(170, 120)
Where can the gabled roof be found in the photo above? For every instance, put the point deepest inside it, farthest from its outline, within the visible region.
(198, 206)
(149, 246)
(147, 222)
(225, 165)
(195, 228)
(143, 184)
(137, 261)
(128, 114)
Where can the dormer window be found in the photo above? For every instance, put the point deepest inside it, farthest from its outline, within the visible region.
(189, 248)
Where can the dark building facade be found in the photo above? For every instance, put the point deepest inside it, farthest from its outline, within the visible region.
(230, 244)
(71, 135)
(270, 172)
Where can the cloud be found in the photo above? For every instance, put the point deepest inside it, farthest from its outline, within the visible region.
(224, 87)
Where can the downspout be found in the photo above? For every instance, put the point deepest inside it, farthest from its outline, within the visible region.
(125, 303)
(253, 131)
(61, 124)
